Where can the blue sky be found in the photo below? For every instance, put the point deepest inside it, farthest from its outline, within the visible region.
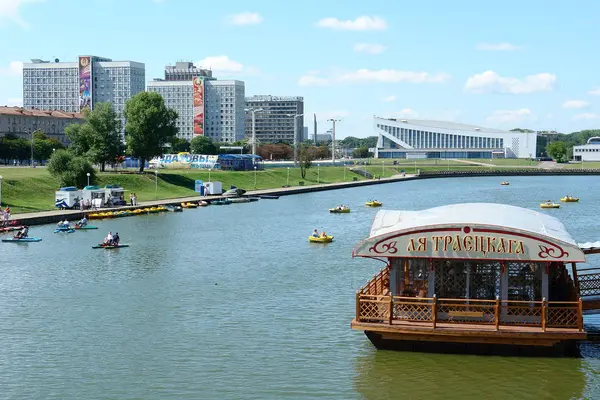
(503, 64)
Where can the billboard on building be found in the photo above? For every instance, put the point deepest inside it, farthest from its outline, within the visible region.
(85, 83)
(198, 83)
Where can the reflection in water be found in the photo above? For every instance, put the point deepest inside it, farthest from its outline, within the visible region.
(382, 375)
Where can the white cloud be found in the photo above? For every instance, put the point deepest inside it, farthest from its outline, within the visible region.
(15, 68)
(389, 99)
(9, 10)
(363, 23)
(506, 116)
(372, 76)
(225, 65)
(491, 82)
(497, 47)
(14, 102)
(595, 92)
(575, 104)
(245, 18)
(369, 48)
(586, 116)
(407, 113)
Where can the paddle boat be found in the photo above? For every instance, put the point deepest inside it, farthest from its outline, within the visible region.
(64, 229)
(174, 208)
(549, 205)
(84, 227)
(569, 199)
(504, 183)
(109, 246)
(339, 210)
(6, 229)
(189, 205)
(22, 240)
(203, 203)
(373, 203)
(320, 239)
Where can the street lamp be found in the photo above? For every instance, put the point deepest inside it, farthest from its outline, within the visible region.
(318, 173)
(155, 184)
(88, 178)
(253, 111)
(295, 134)
(288, 177)
(333, 139)
(255, 177)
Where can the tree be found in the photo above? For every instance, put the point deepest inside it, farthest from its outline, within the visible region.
(104, 128)
(150, 126)
(80, 136)
(275, 151)
(361, 152)
(179, 145)
(558, 151)
(69, 169)
(306, 157)
(202, 145)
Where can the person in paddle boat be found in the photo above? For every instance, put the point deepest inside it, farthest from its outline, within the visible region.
(323, 234)
(548, 202)
(23, 233)
(82, 222)
(315, 233)
(116, 239)
(108, 239)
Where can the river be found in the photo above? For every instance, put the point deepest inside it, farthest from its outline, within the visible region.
(232, 302)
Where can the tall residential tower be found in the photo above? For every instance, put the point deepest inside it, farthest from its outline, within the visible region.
(275, 123)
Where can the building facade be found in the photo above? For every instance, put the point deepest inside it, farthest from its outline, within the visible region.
(22, 122)
(402, 138)
(275, 123)
(74, 86)
(589, 151)
(206, 106)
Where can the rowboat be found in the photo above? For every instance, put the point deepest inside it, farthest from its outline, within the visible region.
(22, 240)
(550, 205)
(339, 210)
(79, 227)
(373, 203)
(570, 199)
(109, 247)
(320, 239)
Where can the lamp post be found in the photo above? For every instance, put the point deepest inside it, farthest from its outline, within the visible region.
(255, 177)
(318, 173)
(288, 177)
(253, 111)
(295, 135)
(333, 139)
(155, 184)
(88, 179)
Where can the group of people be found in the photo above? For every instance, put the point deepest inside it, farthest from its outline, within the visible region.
(63, 224)
(5, 215)
(85, 204)
(341, 207)
(133, 199)
(316, 234)
(23, 233)
(111, 240)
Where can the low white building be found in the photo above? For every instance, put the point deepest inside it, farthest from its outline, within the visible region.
(589, 151)
(414, 139)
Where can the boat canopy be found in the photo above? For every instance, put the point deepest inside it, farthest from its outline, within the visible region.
(68, 189)
(91, 188)
(485, 231)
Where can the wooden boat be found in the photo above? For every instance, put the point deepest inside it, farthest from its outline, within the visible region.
(268, 196)
(570, 199)
(64, 230)
(6, 229)
(504, 183)
(475, 278)
(550, 205)
(240, 200)
(109, 247)
(339, 210)
(320, 239)
(373, 203)
(189, 205)
(22, 240)
(85, 227)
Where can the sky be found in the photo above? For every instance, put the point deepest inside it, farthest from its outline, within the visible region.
(531, 64)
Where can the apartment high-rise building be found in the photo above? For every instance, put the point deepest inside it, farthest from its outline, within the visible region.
(74, 86)
(206, 106)
(275, 123)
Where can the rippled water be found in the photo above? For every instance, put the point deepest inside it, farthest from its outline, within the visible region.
(231, 302)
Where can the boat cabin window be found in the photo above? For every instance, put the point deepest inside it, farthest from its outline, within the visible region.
(524, 281)
(415, 278)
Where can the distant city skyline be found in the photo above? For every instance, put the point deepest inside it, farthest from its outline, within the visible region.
(506, 65)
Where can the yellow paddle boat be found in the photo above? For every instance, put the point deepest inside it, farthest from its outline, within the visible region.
(339, 210)
(550, 205)
(570, 199)
(373, 203)
(320, 239)
(189, 205)
(505, 183)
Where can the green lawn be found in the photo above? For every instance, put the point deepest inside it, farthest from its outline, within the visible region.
(579, 165)
(506, 161)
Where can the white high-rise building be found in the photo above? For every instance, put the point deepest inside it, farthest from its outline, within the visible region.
(275, 122)
(75, 86)
(206, 106)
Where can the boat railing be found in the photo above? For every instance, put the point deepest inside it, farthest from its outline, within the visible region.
(588, 280)
(386, 309)
(379, 285)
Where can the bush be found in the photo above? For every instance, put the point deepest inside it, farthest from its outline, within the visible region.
(70, 170)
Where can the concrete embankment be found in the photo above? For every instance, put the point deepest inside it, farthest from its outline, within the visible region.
(510, 172)
(48, 217)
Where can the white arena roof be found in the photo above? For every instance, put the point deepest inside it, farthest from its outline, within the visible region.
(444, 125)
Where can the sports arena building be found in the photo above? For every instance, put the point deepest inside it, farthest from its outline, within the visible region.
(403, 138)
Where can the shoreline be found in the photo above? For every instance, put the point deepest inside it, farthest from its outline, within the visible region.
(53, 216)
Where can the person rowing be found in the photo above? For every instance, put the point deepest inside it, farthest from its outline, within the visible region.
(108, 239)
(82, 222)
(23, 233)
(116, 239)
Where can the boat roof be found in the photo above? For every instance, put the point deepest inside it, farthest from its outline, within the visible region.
(468, 218)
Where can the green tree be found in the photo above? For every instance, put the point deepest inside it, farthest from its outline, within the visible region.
(179, 145)
(69, 169)
(80, 136)
(203, 145)
(558, 151)
(150, 126)
(361, 152)
(104, 130)
(306, 157)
